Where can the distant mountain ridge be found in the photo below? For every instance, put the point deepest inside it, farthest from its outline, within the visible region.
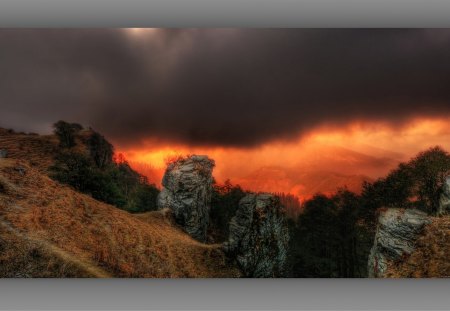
(305, 185)
(324, 170)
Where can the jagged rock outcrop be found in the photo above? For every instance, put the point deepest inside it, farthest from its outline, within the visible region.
(444, 202)
(187, 190)
(259, 236)
(397, 232)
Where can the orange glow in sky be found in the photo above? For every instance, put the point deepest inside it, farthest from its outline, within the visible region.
(367, 150)
(139, 32)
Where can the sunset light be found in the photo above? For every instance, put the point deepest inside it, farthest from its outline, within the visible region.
(197, 152)
(138, 32)
(358, 149)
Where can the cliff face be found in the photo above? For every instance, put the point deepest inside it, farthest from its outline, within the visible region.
(259, 237)
(258, 233)
(430, 257)
(395, 239)
(187, 190)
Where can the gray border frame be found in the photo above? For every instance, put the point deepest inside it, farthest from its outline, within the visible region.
(243, 294)
(224, 294)
(220, 13)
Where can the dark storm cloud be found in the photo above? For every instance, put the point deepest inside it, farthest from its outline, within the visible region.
(220, 87)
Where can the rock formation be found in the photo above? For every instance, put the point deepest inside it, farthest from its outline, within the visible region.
(187, 190)
(444, 202)
(397, 232)
(259, 236)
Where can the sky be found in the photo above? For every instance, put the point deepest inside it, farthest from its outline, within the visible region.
(249, 98)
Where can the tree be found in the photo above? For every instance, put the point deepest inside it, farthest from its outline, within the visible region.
(66, 133)
(115, 184)
(145, 199)
(430, 169)
(77, 170)
(327, 239)
(313, 242)
(100, 149)
(349, 260)
(394, 190)
(224, 203)
(73, 168)
(416, 183)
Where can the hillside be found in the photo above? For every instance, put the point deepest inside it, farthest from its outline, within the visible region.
(38, 150)
(49, 230)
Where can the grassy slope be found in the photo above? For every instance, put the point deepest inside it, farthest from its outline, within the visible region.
(56, 231)
(37, 150)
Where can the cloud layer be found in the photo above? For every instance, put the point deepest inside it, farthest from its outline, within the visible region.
(220, 87)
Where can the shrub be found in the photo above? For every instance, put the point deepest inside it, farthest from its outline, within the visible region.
(101, 150)
(66, 133)
(115, 184)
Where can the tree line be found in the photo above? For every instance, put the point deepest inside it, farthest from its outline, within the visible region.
(89, 167)
(333, 235)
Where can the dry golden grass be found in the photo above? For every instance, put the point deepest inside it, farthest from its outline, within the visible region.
(23, 256)
(98, 236)
(431, 256)
(38, 150)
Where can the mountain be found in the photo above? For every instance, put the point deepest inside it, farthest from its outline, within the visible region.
(300, 183)
(372, 162)
(322, 169)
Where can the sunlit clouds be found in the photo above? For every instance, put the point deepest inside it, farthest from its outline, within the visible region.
(140, 32)
(358, 149)
(277, 109)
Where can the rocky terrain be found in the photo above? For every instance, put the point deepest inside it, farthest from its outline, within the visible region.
(410, 243)
(187, 189)
(397, 232)
(430, 256)
(258, 236)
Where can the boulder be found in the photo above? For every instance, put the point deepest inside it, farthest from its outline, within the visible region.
(259, 236)
(187, 190)
(3, 153)
(444, 202)
(396, 235)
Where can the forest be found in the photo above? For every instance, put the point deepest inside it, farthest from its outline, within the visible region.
(332, 235)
